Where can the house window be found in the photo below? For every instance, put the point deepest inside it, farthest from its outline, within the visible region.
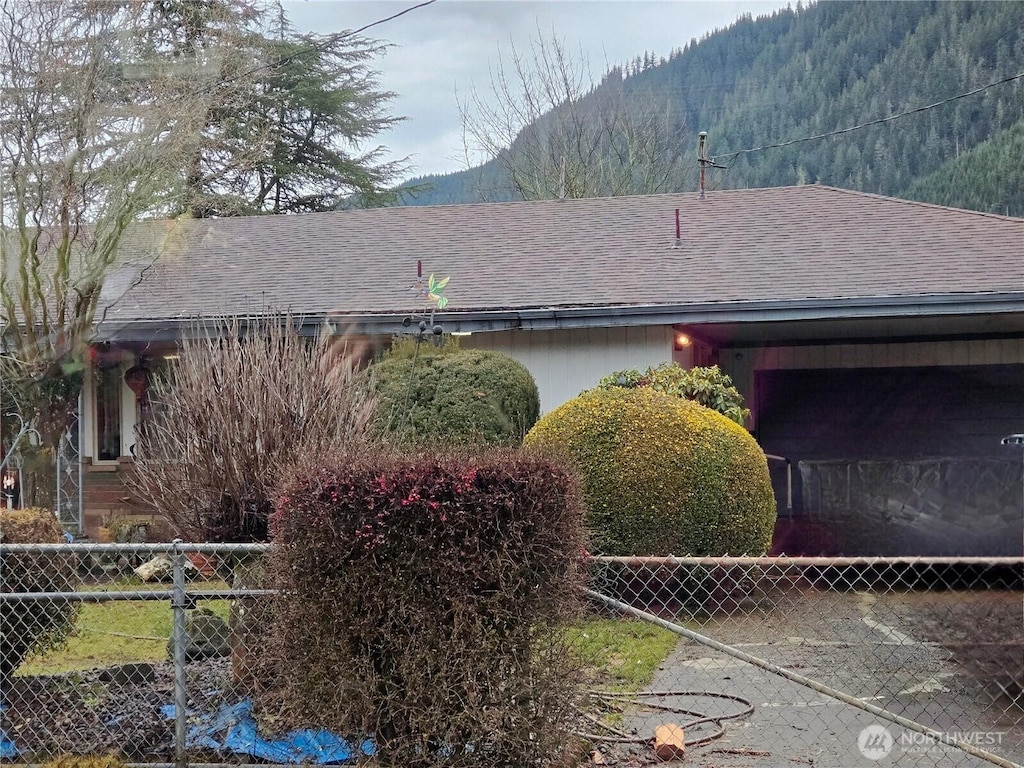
(108, 412)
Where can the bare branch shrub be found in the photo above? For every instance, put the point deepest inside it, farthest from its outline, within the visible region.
(237, 406)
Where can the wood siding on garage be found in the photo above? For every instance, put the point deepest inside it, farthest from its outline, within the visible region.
(566, 362)
(890, 413)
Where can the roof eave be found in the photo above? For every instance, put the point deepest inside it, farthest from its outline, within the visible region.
(560, 318)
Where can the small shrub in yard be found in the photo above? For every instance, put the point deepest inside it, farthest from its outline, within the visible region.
(36, 626)
(84, 761)
(454, 395)
(423, 605)
(663, 475)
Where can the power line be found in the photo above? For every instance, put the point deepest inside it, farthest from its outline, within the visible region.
(733, 155)
(318, 47)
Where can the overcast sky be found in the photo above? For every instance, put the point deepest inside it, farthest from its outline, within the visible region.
(451, 44)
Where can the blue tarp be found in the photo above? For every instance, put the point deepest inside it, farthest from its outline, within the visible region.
(233, 729)
(7, 748)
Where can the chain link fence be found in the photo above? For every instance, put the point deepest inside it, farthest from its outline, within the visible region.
(839, 661)
(147, 658)
(727, 662)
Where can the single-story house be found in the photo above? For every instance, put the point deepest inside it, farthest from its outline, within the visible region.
(879, 342)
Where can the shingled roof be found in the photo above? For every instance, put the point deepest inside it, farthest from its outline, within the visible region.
(739, 250)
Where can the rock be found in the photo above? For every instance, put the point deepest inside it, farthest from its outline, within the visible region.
(160, 569)
(669, 742)
(128, 674)
(157, 569)
(207, 636)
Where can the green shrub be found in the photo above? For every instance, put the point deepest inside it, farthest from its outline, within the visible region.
(663, 475)
(454, 395)
(426, 605)
(707, 386)
(36, 626)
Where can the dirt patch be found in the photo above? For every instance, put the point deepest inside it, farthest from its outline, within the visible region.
(97, 712)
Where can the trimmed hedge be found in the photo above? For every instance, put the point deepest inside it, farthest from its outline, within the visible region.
(422, 605)
(454, 395)
(37, 626)
(663, 475)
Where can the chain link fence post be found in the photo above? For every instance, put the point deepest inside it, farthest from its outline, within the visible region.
(179, 604)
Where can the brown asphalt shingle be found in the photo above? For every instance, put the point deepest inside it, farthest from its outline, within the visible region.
(784, 244)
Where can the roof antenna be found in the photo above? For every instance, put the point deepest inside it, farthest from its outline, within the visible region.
(561, 180)
(703, 160)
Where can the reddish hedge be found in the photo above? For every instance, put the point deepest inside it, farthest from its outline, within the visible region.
(421, 605)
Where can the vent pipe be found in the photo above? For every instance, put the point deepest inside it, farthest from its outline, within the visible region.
(702, 158)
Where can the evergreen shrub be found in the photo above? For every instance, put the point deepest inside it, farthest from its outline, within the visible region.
(663, 475)
(708, 386)
(35, 626)
(422, 604)
(450, 394)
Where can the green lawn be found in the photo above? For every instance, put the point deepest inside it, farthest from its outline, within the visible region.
(623, 653)
(106, 634)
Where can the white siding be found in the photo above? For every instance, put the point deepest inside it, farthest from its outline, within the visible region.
(564, 363)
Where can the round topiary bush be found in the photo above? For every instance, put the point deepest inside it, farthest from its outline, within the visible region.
(39, 625)
(454, 395)
(663, 475)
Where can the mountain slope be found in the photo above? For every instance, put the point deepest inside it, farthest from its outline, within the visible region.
(805, 72)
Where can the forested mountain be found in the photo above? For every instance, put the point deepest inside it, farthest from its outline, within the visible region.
(830, 66)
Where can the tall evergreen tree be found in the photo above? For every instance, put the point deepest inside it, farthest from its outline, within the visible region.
(293, 119)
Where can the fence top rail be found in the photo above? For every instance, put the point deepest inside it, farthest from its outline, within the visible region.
(86, 547)
(781, 561)
(634, 561)
(154, 595)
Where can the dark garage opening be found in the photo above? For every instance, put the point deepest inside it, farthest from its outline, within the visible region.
(897, 461)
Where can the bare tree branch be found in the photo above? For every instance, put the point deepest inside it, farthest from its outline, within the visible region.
(557, 133)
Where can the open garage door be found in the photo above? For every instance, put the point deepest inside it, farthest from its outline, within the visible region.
(898, 461)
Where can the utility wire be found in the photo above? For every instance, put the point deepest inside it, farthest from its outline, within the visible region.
(732, 156)
(318, 47)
